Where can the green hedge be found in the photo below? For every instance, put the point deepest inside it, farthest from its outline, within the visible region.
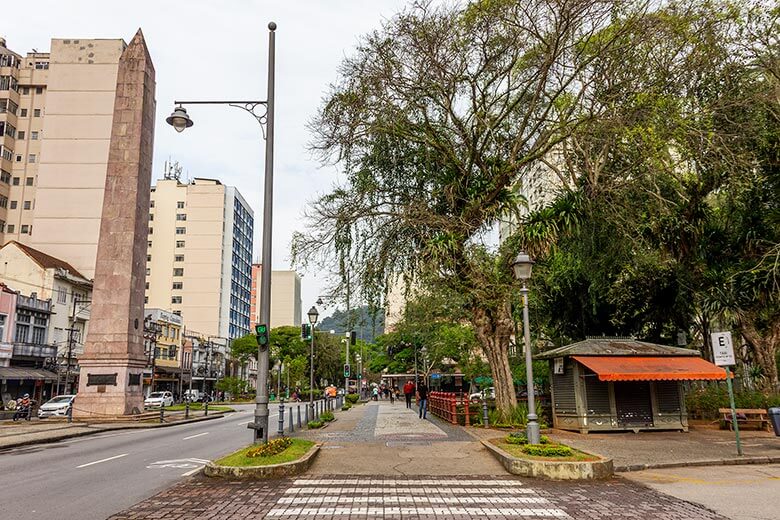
(315, 424)
(327, 416)
(548, 450)
(352, 398)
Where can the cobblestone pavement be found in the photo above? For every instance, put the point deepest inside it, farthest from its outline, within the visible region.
(456, 498)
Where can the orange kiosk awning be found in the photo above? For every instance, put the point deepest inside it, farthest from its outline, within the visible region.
(645, 368)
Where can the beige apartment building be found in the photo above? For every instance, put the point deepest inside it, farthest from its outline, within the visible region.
(199, 255)
(56, 110)
(285, 297)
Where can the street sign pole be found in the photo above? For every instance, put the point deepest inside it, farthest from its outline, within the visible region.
(723, 354)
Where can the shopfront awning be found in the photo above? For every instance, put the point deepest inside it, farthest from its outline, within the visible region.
(21, 373)
(645, 368)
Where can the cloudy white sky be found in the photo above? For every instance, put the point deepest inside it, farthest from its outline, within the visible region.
(218, 50)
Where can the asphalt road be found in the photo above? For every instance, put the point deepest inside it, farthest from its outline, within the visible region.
(91, 478)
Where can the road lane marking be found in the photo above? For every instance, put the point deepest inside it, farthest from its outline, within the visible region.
(103, 460)
(192, 472)
(196, 435)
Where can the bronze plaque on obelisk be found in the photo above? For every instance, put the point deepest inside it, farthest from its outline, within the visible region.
(112, 365)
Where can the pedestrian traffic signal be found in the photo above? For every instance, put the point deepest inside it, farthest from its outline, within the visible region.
(262, 335)
(352, 338)
(346, 369)
(305, 331)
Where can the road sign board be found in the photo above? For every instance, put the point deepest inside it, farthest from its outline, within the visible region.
(722, 349)
(435, 376)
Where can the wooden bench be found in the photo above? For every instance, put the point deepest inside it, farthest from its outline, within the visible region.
(755, 416)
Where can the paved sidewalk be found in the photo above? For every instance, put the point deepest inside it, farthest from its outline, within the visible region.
(379, 438)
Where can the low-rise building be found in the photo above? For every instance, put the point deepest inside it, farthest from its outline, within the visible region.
(210, 355)
(163, 344)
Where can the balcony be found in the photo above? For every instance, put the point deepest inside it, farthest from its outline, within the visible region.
(34, 350)
(33, 304)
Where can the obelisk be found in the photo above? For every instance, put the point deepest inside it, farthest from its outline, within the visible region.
(111, 377)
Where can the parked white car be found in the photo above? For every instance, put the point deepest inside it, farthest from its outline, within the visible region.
(57, 407)
(157, 399)
(490, 393)
(194, 395)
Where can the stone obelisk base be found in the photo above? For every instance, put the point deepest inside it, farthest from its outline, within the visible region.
(109, 388)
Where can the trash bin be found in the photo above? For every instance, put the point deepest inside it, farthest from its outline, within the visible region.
(774, 416)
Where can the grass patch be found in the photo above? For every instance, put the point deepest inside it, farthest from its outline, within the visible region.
(198, 406)
(297, 449)
(516, 450)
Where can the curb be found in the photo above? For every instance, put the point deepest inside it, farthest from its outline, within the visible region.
(698, 463)
(73, 435)
(552, 470)
(285, 469)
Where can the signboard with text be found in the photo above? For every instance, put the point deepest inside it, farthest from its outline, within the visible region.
(722, 349)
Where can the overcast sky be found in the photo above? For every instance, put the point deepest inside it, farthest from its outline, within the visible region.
(218, 50)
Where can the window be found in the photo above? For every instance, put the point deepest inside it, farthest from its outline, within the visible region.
(16, 181)
(62, 296)
(36, 112)
(41, 65)
(31, 158)
(149, 243)
(146, 286)
(3, 201)
(180, 204)
(27, 204)
(148, 258)
(39, 90)
(19, 158)
(14, 203)
(181, 216)
(178, 258)
(25, 228)
(23, 112)
(25, 91)
(178, 271)
(34, 136)
(22, 332)
(2, 228)
(146, 299)
(20, 135)
(29, 181)
(180, 243)
(2, 327)
(5, 176)
(177, 313)
(175, 299)
(10, 228)
(151, 230)
(39, 335)
(151, 217)
(148, 271)
(181, 231)
(178, 285)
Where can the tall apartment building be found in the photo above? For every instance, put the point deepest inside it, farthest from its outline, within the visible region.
(56, 110)
(199, 255)
(285, 297)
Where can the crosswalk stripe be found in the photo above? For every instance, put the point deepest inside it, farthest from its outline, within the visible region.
(435, 511)
(351, 500)
(398, 482)
(407, 490)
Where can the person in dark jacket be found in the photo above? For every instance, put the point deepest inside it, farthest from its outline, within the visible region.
(422, 399)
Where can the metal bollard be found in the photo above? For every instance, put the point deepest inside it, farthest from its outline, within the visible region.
(307, 413)
(162, 412)
(281, 418)
(485, 413)
(70, 413)
(292, 425)
(299, 415)
(206, 407)
(187, 408)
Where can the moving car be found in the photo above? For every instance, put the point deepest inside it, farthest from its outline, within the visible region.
(157, 399)
(57, 407)
(194, 395)
(489, 393)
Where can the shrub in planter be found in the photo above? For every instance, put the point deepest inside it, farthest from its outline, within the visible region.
(548, 450)
(315, 424)
(327, 416)
(272, 447)
(520, 438)
(346, 407)
(352, 398)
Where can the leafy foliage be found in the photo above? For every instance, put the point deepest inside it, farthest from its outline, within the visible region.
(548, 450)
(272, 447)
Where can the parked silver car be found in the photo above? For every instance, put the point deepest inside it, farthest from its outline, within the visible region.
(157, 399)
(57, 407)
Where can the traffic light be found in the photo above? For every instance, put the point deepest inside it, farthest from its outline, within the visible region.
(262, 335)
(346, 369)
(352, 338)
(305, 331)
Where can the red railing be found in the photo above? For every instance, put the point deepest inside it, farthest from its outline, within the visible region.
(449, 406)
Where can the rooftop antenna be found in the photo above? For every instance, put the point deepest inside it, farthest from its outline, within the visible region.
(172, 170)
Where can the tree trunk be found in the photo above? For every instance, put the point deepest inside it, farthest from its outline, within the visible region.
(493, 332)
(764, 346)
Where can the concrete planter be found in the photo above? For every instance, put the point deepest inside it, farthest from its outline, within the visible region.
(554, 470)
(286, 469)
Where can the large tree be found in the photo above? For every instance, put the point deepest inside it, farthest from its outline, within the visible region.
(433, 120)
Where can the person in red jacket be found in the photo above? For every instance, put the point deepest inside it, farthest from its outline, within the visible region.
(409, 393)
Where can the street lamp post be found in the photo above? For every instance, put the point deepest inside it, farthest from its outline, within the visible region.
(313, 315)
(522, 270)
(180, 121)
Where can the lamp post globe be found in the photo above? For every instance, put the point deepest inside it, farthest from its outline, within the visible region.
(313, 315)
(522, 266)
(179, 119)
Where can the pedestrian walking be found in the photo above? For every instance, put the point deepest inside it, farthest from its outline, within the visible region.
(422, 397)
(376, 394)
(408, 393)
